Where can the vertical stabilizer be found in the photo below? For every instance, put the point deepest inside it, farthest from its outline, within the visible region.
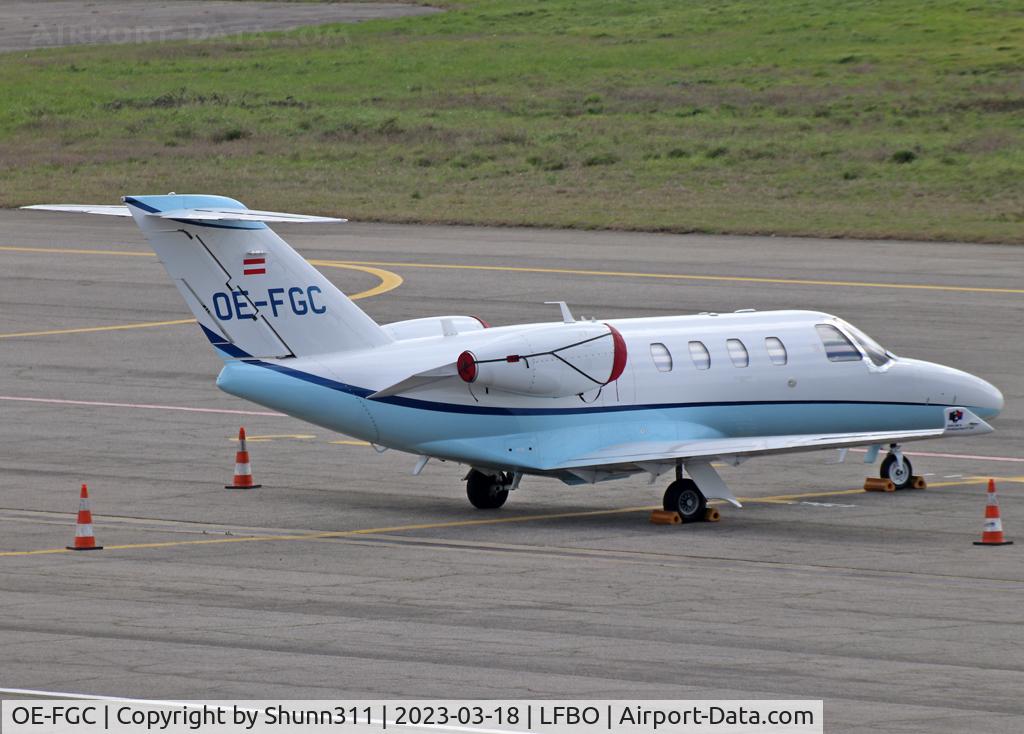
(250, 291)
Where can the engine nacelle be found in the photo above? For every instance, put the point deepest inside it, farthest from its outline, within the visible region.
(433, 326)
(551, 361)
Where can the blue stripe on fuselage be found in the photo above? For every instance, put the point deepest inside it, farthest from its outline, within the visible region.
(511, 411)
(530, 438)
(225, 347)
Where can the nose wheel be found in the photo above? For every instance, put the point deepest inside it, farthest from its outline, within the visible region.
(684, 497)
(897, 469)
(486, 491)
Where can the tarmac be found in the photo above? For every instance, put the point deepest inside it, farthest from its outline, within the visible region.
(345, 577)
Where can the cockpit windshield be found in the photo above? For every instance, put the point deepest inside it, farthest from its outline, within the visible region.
(878, 355)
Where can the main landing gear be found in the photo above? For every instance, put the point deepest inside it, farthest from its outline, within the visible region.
(897, 468)
(682, 496)
(488, 491)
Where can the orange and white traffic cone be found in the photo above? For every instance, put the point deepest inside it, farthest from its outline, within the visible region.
(243, 472)
(84, 539)
(993, 532)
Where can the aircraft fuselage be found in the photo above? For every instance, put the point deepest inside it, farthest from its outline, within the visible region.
(685, 377)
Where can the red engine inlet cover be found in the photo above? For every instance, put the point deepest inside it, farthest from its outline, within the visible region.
(619, 359)
(466, 365)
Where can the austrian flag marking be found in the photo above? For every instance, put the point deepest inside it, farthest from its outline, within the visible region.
(254, 265)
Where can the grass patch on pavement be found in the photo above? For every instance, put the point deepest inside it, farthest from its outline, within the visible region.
(860, 118)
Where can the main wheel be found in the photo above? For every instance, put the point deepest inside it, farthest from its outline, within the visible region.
(484, 491)
(902, 475)
(684, 497)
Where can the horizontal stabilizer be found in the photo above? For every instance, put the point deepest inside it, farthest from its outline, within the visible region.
(204, 214)
(110, 211)
(242, 215)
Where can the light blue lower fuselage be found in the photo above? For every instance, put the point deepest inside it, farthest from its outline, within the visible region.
(539, 440)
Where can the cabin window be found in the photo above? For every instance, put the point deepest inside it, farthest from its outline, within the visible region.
(737, 353)
(776, 350)
(837, 347)
(662, 357)
(700, 355)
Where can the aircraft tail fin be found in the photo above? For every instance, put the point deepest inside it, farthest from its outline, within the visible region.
(252, 294)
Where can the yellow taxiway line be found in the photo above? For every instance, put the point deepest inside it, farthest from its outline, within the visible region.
(88, 329)
(388, 282)
(787, 498)
(273, 436)
(776, 499)
(74, 251)
(683, 276)
(571, 271)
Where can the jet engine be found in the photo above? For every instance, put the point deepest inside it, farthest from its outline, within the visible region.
(434, 326)
(550, 361)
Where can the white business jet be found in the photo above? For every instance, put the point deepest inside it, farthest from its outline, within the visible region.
(580, 400)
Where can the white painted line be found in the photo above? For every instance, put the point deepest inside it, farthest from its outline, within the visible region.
(90, 697)
(141, 406)
(825, 504)
(954, 456)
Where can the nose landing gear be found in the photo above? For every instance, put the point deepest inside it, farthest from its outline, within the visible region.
(897, 468)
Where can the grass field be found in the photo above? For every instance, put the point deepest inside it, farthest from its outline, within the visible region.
(863, 118)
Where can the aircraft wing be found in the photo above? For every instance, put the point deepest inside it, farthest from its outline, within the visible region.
(713, 448)
(653, 453)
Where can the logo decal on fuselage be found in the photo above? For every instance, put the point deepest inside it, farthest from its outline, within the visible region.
(243, 304)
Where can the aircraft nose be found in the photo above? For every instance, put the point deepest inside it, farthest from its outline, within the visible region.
(983, 397)
(992, 399)
(951, 386)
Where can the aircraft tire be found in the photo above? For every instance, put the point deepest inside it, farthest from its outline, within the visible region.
(890, 470)
(484, 491)
(684, 497)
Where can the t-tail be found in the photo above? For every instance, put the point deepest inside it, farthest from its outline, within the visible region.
(251, 293)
